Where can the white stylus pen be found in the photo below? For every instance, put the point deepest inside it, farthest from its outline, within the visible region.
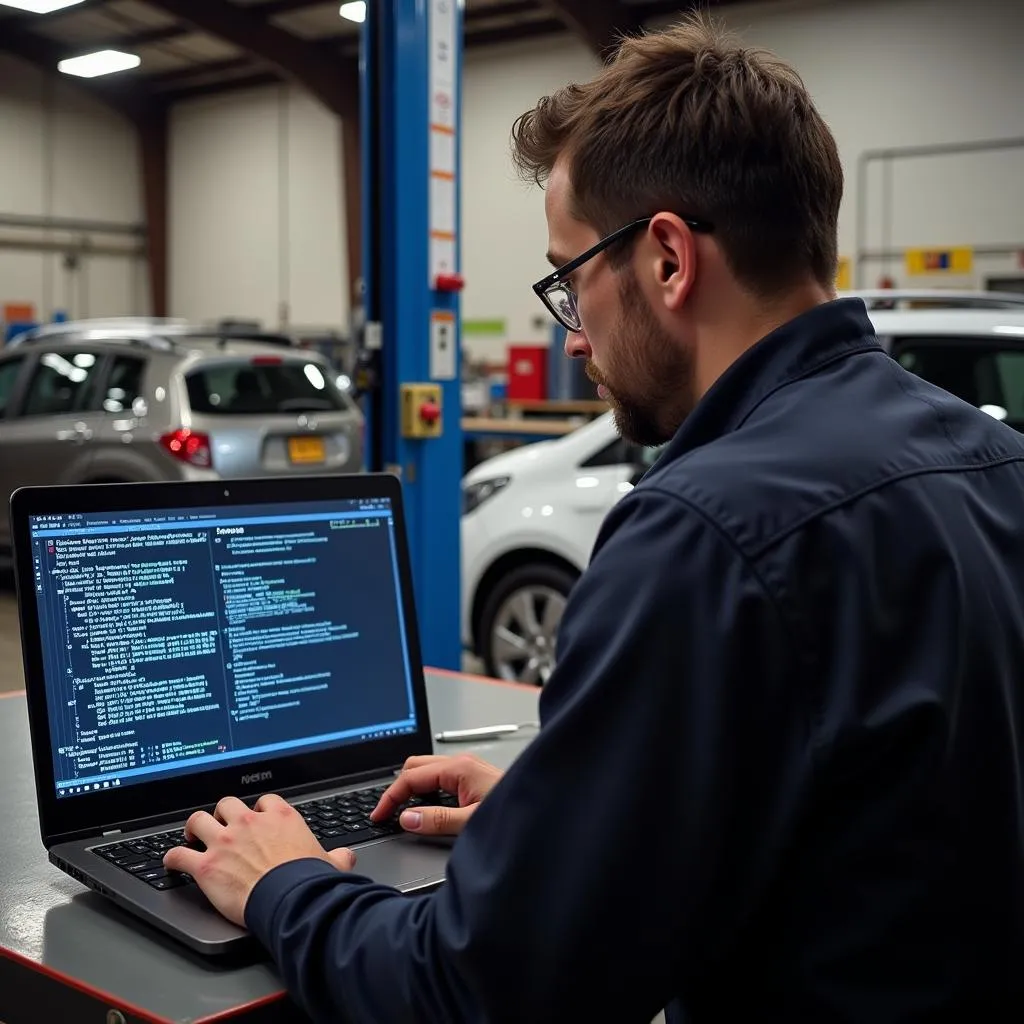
(487, 732)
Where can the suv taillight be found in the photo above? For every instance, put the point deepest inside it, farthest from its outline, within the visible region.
(190, 446)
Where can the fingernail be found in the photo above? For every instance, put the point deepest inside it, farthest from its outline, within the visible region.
(411, 820)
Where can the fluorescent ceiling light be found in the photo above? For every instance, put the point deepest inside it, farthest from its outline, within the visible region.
(103, 62)
(355, 11)
(39, 6)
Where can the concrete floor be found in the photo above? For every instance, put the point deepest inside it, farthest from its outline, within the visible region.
(10, 645)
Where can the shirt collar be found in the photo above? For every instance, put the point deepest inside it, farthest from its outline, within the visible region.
(799, 348)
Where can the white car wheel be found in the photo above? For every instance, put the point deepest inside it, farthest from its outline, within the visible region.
(519, 626)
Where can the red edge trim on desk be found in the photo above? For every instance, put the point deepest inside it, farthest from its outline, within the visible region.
(96, 993)
(479, 679)
(12, 693)
(122, 1004)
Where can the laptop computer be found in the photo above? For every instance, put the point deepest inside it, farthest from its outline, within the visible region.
(186, 641)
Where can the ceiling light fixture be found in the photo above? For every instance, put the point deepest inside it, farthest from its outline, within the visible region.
(355, 11)
(39, 6)
(102, 62)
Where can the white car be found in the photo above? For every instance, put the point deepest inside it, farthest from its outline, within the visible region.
(531, 516)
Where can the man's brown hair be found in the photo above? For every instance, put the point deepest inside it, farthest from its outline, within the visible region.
(687, 120)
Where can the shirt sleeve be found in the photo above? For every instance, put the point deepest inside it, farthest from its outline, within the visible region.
(623, 845)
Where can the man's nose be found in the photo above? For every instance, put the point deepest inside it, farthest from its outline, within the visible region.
(577, 346)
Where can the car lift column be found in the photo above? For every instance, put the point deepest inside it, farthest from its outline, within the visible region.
(411, 98)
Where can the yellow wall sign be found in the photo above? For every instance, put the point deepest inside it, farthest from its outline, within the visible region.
(843, 282)
(939, 261)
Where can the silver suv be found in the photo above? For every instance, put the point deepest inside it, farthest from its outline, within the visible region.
(138, 400)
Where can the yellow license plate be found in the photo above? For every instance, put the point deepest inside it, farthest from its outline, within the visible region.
(306, 449)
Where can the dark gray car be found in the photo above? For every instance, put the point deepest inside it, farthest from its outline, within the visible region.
(139, 400)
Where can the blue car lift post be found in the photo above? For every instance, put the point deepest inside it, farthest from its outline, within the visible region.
(410, 75)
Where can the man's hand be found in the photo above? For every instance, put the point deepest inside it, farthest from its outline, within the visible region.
(468, 777)
(242, 845)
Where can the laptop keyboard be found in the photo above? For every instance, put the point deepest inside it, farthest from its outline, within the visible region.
(341, 820)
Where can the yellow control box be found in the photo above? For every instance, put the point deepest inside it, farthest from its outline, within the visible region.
(421, 410)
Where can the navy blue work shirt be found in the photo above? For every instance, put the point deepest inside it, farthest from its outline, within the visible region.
(779, 775)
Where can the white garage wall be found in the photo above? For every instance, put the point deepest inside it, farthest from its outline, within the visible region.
(504, 235)
(897, 73)
(250, 171)
(257, 229)
(257, 224)
(66, 155)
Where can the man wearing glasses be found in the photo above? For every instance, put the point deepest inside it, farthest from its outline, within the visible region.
(779, 774)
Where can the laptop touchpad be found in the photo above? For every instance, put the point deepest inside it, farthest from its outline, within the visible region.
(405, 862)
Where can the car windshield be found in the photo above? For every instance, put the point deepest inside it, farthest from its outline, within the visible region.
(261, 386)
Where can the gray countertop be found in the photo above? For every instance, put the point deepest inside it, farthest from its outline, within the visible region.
(53, 928)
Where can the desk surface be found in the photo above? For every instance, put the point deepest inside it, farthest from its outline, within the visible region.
(67, 953)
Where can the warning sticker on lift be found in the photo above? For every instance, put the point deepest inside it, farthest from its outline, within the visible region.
(444, 56)
(442, 345)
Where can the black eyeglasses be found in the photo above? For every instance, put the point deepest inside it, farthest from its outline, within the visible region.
(561, 300)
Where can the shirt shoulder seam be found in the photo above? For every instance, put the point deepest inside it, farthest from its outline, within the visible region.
(723, 533)
(894, 478)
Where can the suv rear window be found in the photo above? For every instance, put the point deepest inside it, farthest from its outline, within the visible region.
(253, 387)
(988, 376)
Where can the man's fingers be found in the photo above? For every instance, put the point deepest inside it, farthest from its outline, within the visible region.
(418, 779)
(465, 775)
(270, 801)
(202, 826)
(436, 821)
(181, 858)
(229, 809)
(419, 760)
(342, 858)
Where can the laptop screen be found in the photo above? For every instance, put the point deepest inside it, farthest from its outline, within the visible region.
(182, 640)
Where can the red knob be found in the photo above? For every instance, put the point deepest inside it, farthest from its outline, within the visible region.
(449, 282)
(430, 412)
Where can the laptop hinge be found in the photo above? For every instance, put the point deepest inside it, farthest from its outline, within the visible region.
(113, 832)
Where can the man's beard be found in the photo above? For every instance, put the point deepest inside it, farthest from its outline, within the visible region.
(649, 378)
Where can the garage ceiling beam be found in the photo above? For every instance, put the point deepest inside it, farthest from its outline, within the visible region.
(472, 36)
(259, 80)
(505, 10)
(333, 82)
(143, 37)
(660, 8)
(472, 16)
(272, 7)
(11, 14)
(44, 54)
(192, 74)
(151, 36)
(598, 23)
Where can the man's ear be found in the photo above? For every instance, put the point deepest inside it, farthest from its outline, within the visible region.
(674, 254)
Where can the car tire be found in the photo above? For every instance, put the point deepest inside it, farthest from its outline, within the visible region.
(520, 620)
